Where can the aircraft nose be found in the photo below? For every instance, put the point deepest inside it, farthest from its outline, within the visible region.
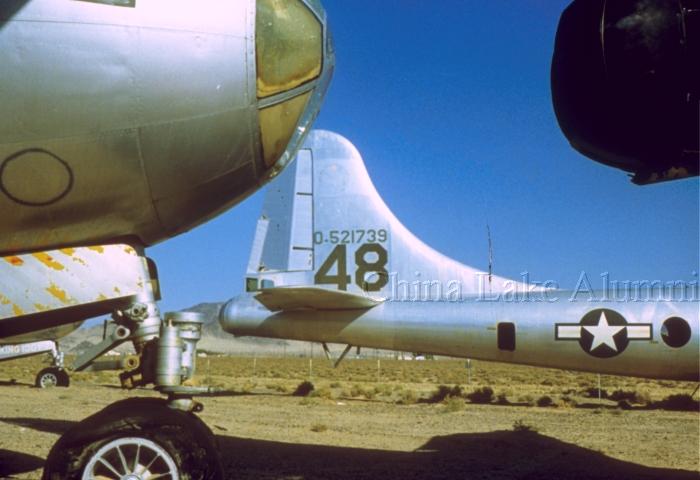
(251, 94)
(295, 61)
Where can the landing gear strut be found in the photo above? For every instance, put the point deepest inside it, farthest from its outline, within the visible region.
(52, 377)
(55, 375)
(144, 438)
(133, 439)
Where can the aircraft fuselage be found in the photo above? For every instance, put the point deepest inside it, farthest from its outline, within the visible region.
(603, 337)
(136, 121)
(331, 263)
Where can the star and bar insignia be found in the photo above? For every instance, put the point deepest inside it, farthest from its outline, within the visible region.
(603, 333)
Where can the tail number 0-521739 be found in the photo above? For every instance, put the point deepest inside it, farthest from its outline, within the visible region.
(370, 273)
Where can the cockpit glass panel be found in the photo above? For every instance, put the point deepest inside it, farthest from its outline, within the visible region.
(289, 46)
(277, 124)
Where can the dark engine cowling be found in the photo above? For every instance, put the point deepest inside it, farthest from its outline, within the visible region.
(626, 84)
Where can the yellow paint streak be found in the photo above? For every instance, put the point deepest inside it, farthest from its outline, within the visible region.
(41, 308)
(130, 250)
(102, 297)
(117, 291)
(97, 249)
(16, 261)
(59, 293)
(16, 310)
(68, 251)
(48, 260)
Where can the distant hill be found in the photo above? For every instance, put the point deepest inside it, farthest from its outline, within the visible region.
(214, 339)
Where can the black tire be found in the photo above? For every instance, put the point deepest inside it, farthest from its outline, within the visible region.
(52, 377)
(187, 440)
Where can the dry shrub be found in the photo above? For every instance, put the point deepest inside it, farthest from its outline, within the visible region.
(630, 396)
(248, 387)
(322, 393)
(522, 427)
(356, 391)
(681, 402)
(502, 399)
(545, 401)
(566, 401)
(453, 404)
(382, 389)
(481, 395)
(304, 389)
(318, 427)
(407, 397)
(592, 392)
(443, 392)
(308, 401)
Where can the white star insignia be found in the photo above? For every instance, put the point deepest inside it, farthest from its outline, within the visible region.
(603, 333)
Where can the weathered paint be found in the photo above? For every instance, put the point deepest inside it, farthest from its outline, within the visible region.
(59, 293)
(38, 282)
(48, 260)
(14, 260)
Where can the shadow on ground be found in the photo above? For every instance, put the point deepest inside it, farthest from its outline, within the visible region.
(521, 455)
(14, 383)
(41, 424)
(12, 463)
(494, 455)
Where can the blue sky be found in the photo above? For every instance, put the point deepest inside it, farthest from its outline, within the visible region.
(449, 104)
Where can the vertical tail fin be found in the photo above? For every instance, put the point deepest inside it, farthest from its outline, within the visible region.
(283, 237)
(324, 224)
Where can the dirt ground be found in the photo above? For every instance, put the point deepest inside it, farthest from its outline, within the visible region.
(370, 420)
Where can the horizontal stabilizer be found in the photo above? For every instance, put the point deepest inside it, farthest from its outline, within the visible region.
(312, 298)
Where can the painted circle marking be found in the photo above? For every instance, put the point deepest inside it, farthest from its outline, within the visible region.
(35, 177)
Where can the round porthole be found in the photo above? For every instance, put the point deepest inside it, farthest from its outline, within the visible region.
(675, 332)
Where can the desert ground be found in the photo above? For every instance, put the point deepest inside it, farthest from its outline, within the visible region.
(386, 418)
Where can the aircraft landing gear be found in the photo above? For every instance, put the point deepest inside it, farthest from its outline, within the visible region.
(52, 377)
(144, 438)
(55, 375)
(136, 439)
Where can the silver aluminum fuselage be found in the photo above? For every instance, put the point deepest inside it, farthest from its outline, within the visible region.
(132, 122)
(468, 329)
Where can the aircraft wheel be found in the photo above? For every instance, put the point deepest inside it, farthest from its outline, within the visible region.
(136, 439)
(52, 377)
